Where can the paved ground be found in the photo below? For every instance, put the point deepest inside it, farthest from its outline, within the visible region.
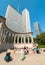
(31, 59)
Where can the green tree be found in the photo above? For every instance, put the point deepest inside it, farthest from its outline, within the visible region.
(34, 40)
(41, 38)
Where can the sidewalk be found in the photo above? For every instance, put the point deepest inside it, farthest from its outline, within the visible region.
(31, 59)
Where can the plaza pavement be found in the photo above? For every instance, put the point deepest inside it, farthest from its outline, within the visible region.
(30, 59)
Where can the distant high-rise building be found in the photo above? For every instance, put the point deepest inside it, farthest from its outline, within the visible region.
(37, 28)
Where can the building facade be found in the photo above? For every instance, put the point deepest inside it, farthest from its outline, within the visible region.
(26, 20)
(37, 28)
(18, 22)
(15, 28)
(13, 20)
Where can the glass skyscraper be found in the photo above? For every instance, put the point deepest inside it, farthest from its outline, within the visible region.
(37, 28)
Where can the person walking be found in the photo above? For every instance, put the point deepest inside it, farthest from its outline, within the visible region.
(22, 54)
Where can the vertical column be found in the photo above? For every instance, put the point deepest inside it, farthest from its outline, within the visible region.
(15, 35)
(8, 37)
(9, 34)
(6, 33)
(21, 38)
(28, 39)
(1, 36)
(18, 39)
(4, 38)
(12, 34)
(0, 32)
(24, 39)
(31, 38)
(14, 38)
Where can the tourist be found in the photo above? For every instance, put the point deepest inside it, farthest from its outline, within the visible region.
(26, 50)
(7, 58)
(37, 50)
(33, 49)
(22, 54)
(15, 49)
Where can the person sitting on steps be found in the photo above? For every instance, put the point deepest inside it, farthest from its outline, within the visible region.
(7, 58)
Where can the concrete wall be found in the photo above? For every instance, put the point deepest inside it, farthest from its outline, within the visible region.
(5, 46)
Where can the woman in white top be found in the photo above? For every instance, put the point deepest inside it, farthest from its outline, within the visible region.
(22, 54)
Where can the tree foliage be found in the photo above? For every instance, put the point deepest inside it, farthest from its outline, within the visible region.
(41, 38)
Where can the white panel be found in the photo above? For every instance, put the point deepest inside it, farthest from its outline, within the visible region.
(17, 22)
(26, 20)
(13, 20)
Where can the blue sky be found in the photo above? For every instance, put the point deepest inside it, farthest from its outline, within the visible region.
(36, 9)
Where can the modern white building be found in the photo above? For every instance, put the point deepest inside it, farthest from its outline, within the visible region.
(18, 22)
(26, 20)
(13, 20)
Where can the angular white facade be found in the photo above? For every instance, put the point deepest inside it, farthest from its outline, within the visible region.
(17, 22)
(26, 20)
(13, 20)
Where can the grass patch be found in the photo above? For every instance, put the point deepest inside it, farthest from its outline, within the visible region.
(41, 46)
